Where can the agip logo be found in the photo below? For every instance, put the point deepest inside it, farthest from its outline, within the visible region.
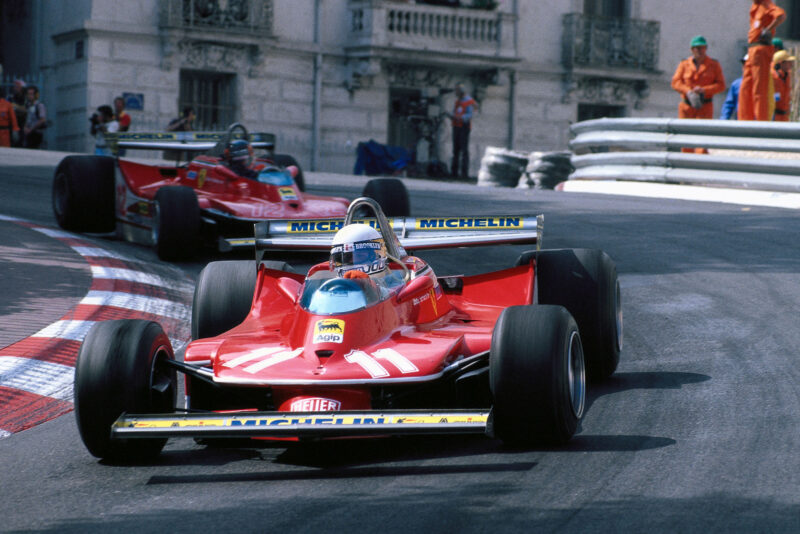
(329, 331)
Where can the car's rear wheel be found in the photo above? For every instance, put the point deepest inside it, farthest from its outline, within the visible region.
(83, 194)
(120, 368)
(536, 375)
(176, 223)
(585, 282)
(284, 160)
(391, 194)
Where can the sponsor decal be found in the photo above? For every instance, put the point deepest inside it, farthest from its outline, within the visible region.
(322, 226)
(287, 193)
(479, 223)
(433, 302)
(144, 208)
(191, 175)
(419, 300)
(329, 331)
(315, 404)
(201, 177)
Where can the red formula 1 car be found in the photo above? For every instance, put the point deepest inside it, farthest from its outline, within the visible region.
(179, 208)
(281, 355)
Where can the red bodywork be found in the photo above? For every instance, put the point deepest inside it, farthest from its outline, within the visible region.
(220, 190)
(409, 337)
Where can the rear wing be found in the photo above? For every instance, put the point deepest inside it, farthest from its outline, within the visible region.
(414, 233)
(183, 141)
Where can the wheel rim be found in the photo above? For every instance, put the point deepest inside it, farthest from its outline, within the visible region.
(618, 316)
(155, 229)
(576, 375)
(60, 196)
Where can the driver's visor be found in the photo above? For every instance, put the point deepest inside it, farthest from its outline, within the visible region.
(361, 253)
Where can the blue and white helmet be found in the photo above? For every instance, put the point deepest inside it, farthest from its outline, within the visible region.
(358, 246)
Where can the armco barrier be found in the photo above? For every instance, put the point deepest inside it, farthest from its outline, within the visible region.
(662, 137)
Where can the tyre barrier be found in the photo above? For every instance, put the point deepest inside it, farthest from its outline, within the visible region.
(546, 170)
(501, 167)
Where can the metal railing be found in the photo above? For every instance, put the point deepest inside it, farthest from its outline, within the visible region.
(606, 42)
(243, 16)
(658, 137)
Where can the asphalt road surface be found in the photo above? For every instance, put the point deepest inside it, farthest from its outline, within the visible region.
(699, 430)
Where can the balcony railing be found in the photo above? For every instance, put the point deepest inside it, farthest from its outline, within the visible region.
(603, 42)
(421, 27)
(253, 17)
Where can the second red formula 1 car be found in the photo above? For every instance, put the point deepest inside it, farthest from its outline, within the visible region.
(370, 343)
(212, 200)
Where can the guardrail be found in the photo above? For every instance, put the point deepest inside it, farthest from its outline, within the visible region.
(660, 138)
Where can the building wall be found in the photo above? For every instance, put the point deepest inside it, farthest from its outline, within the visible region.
(125, 51)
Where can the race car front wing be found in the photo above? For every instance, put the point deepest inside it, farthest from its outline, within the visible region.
(302, 424)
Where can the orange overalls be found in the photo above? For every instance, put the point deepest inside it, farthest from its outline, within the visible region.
(754, 100)
(8, 122)
(707, 75)
(783, 89)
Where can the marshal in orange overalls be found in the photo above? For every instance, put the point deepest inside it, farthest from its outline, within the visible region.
(708, 76)
(8, 122)
(754, 99)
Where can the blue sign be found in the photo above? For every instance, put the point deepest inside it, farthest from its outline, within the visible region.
(134, 101)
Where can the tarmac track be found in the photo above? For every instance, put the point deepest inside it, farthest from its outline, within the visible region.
(697, 431)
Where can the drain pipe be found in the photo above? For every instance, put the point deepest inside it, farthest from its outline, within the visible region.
(512, 84)
(316, 111)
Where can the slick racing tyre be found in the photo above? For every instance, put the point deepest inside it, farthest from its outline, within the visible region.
(176, 223)
(391, 194)
(222, 297)
(284, 160)
(536, 375)
(585, 282)
(83, 194)
(121, 368)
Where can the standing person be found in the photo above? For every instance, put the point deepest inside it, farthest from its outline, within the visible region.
(36, 121)
(731, 104)
(697, 79)
(17, 100)
(754, 97)
(103, 122)
(123, 119)
(782, 79)
(9, 129)
(462, 125)
(183, 123)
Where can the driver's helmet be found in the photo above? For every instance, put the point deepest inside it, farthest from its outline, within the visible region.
(239, 152)
(358, 247)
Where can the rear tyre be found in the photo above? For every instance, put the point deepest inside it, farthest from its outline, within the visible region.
(83, 194)
(536, 375)
(391, 194)
(176, 223)
(284, 160)
(121, 368)
(585, 282)
(222, 297)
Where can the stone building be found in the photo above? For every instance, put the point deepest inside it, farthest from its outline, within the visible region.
(324, 75)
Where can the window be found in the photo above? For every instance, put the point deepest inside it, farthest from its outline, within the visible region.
(606, 8)
(212, 95)
(598, 111)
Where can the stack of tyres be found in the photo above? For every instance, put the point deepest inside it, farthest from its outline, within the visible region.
(501, 167)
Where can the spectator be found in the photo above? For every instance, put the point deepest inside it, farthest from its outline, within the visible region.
(697, 79)
(754, 94)
(120, 115)
(9, 129)
(17, 100)
(777, 43)
(462, 125)
(183, 123)
(732, 100)
(103, 122)
(782, 78)
(36, 120)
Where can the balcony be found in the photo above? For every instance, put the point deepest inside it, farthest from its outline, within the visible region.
(246, 18)
(603, 44)
(429, 34)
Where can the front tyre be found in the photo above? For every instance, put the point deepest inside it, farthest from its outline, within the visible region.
(391, 194)
(176, 223)
(536, 375)
(121, 368)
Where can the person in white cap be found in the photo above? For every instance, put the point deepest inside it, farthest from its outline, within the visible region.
(782, 64)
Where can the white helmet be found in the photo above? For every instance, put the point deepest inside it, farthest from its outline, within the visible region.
(358, 246)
